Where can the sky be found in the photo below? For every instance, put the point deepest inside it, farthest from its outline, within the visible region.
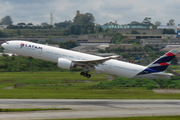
(124, 11)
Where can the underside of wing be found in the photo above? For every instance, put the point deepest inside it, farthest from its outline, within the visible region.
(94, 62)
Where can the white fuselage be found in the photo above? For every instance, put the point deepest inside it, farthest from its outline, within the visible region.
(49, 53)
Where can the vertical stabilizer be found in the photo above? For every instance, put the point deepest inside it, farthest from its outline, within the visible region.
(161, 64)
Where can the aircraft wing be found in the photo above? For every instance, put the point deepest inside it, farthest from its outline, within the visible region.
(93, 62)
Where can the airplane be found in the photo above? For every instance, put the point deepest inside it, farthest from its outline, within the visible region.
(67, 59)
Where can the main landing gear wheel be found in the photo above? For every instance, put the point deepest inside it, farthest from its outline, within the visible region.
(82, 73)
(88, 76)
(12, 57)
(85, 74)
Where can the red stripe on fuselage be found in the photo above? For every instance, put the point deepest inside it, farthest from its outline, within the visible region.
(170, 54)
(162, 64)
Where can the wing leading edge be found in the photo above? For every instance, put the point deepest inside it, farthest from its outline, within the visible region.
(94, 62)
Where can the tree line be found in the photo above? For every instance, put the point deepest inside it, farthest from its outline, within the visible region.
(82, 24)
(28, 64)
(140, 83)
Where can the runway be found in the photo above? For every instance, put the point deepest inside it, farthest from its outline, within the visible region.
(89, 108)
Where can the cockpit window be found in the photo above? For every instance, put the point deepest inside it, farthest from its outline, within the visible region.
(7, 42)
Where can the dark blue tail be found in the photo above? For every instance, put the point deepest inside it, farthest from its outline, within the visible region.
(161, 64)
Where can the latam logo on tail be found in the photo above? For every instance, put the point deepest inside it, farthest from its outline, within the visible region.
(160, 64)
(22, 45)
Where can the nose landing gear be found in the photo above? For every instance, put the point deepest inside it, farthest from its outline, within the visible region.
(85, 74)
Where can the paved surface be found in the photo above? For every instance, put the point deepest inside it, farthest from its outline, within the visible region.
(166, 90)
(89, 108)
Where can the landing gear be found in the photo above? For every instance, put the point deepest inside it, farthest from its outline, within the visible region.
(85, 74)
(12, 57)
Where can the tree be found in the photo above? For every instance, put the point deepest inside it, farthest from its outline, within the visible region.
(19, 32)
(135, 23)
(157, 23)
(147, 21)
(174, 61)
(72, 29)
(6, 20)
(168, 31)
(68, 44)
(83, 24)
(77, 30)
(134, 32)
(92, 30)
(21, 24)
(63, 25)
(30, 24)
(100, 29)
(83, 19)
(116, 38)
(2, 34)
(66, 32)
(110, 23)
(171, 22)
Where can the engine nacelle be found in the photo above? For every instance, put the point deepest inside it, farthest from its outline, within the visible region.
(65, 63)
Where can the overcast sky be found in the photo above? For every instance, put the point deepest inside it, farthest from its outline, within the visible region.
(124, 11)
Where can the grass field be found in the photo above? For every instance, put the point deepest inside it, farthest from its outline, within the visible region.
(67, 85)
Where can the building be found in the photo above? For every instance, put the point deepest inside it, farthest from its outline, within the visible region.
(3, 26)
(142, 31)
(159, 43)
(90, 39)
(123, 26)
(167, 27)
(125, 46)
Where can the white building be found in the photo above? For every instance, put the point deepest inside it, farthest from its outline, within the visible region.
(167, 27)
(3, 26)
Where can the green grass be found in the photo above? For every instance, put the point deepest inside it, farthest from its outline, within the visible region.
(31, 109)
(174, 67)
(31, 33)
(67, 85)
(79, 93)
(11, 78)
(132, 118)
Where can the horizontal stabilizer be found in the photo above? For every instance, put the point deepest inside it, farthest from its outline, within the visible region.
(163, 74)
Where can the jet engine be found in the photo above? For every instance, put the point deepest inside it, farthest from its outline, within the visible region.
(65, 63)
